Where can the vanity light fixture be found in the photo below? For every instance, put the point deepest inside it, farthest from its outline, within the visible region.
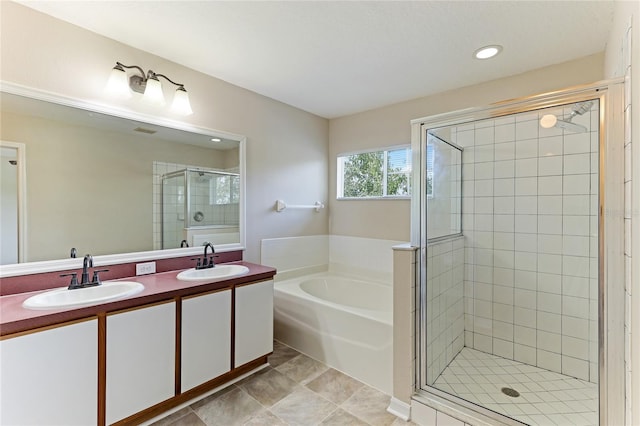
(487, 52)
(148, 84)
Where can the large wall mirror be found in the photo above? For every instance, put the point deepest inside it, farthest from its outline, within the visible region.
(111, 184)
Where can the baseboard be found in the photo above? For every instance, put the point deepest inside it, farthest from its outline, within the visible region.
(399, 409)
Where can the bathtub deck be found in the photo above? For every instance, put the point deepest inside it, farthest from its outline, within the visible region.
(546, 397)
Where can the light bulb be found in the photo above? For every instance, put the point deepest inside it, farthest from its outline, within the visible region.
(118, 84)
(181, 103)
(548, 121)
(153, 92)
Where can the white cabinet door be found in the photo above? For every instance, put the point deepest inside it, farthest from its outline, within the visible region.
(50, 377)
(206, 338)
(254, 321)
(140, 359)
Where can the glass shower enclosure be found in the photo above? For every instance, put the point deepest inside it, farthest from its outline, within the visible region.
(199, 206)
(511, 292)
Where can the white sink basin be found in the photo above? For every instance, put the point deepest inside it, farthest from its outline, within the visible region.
(62, 297)
(215, 273)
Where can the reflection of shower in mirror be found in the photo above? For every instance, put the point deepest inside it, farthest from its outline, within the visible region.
(199, 203)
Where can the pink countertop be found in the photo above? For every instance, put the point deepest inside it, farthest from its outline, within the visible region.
(157, 287)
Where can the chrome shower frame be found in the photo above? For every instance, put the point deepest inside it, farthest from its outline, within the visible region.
(611, 300)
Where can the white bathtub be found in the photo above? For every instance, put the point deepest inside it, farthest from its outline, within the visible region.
(345, 323)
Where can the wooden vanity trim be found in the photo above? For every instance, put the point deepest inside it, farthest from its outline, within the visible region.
(233, 329)
(187, 396)
(102, 369)
(253, 282)
(191, 296)
(178, 345)
(137, 308)
(45, 328)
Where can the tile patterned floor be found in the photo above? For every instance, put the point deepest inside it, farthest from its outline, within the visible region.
(546, 398)
(293, 390)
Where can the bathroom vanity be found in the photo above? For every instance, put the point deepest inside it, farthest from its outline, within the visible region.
(131, 359)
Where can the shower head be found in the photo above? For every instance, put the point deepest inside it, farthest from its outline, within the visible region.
(572, 127)
(202, 176)
(550, 120)
(581, 107)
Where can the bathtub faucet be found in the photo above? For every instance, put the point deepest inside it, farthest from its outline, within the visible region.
(207, 263)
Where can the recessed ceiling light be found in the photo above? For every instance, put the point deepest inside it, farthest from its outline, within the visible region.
(487, 52)
(216, 140)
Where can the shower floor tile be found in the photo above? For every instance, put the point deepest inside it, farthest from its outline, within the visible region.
(546, 398)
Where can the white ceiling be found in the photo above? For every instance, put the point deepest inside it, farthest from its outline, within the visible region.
(334, 58)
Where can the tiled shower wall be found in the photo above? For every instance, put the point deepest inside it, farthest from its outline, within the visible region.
(445, 305)
(530, 200)
(174, 220)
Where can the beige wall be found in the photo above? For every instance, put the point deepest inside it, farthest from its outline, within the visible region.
(389, 219)
(286, 147)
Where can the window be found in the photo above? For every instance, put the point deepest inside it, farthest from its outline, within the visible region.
(224, 189)
(375, 174)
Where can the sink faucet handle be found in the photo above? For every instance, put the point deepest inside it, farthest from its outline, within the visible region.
(74, 280)
(197, 259)
(96, 278)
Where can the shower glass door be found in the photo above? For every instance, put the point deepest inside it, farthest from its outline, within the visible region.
(510, 300)
(173, 209)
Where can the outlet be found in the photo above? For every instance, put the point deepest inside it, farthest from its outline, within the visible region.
(145, 268)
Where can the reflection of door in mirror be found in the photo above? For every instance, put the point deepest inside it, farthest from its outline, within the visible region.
(12, 184)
